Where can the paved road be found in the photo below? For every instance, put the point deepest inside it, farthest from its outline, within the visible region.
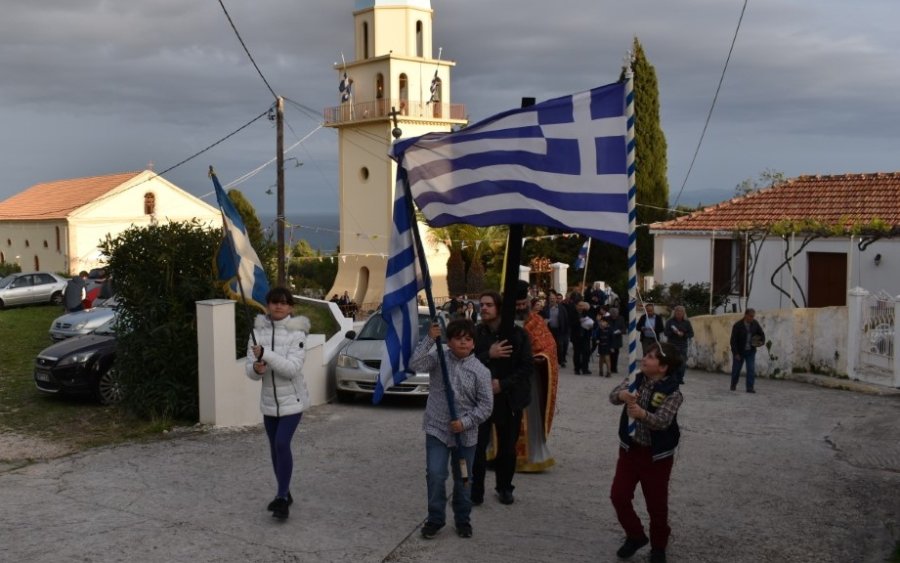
(796, 472)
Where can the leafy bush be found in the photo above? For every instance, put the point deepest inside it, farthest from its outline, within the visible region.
(159, 273)
(694, 297)
(7, 268)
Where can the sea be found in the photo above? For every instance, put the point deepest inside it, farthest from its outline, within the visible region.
(320, 230)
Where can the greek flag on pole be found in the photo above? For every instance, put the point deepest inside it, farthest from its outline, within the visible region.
(435, 82)
(236, 259)
(399, 309)
(582, 255)
(345, 88)
(561, 163)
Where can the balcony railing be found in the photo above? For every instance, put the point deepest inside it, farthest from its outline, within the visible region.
(379, 109)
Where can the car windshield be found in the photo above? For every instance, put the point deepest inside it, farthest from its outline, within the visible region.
(107, 329)
(6, 281)
(376, 329)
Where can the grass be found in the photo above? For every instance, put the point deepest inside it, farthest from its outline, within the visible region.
(74, 421)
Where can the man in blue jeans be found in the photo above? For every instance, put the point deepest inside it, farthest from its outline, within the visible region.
(448, 439)
(746, 336)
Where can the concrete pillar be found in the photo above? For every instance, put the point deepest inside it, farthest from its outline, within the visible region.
(559, 279)
(525, 273)
(227, 396)
(896, 350)
(856, 298)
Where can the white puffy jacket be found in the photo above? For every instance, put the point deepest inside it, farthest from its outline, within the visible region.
(283, 387)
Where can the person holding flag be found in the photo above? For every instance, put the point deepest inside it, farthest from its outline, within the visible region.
(646, 455)
(473, 398)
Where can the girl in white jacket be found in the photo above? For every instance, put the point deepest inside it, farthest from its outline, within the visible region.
(277, 360)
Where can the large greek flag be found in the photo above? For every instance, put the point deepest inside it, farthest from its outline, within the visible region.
(238, 266)
(561, 163)
(403, 281)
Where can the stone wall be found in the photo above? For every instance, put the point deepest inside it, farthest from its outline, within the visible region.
(797, 340)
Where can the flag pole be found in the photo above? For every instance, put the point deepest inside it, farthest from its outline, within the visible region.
(429, 297)
(587, 259)
(233, 253)
(632, 233)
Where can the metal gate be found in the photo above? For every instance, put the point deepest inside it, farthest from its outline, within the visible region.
(877, 342)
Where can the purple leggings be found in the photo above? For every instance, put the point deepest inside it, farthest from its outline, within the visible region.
(280, 431)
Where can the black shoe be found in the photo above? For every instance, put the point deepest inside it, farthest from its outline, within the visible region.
(430, 529)
(657, 556)
(506, 497)
(271, 506)
(750, 391)
(577, 372)
(477, 501)
(464, 530)
(631, 546)
(586, 372)
(562, 365)
(281, 510)
(733, 386)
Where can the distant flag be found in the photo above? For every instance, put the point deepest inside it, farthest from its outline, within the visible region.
(399, 307)
(561, 163)
(582, 255)
(435, 84)
(345, 88)
(238, 266)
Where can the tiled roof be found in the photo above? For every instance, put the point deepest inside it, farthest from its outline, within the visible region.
(846, 198)
(56, 200)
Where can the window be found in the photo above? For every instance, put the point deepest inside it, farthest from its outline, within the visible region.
(2, 257)
(404, 94)
(46, 244)
(149, 203)
(364, 173)
(729, 268)
(365, 40)
(419, 40)
(27, 244)
(37, 263)
(57, 239)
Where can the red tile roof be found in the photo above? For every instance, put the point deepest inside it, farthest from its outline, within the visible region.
(846, 198)
(56, 200)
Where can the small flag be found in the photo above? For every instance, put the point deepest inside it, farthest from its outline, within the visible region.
(399, 308)
(236, 260)
(582, 255)
(561, 163)
(435, 84)
(345, 88)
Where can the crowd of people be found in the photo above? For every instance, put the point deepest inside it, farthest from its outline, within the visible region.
(496, 399)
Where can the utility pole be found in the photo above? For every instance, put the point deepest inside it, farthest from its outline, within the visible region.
(279, 159)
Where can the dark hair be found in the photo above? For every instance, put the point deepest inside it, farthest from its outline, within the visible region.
(498, 299)
(668, 355)
(280, 294)
(460, 327)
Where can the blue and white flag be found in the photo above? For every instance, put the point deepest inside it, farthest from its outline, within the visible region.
(399, 309)
(582, 255)
(236, 260)
(561, 163)
(345, 88)
(435, 83)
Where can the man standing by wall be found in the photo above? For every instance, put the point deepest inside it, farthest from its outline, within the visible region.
(746, 336)
(510, 361)
(75, 293)
(558, 320)
(650, 326)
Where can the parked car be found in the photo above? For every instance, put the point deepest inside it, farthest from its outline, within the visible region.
(83, 322)
(31, 288)
(81, 365)
(359, 361)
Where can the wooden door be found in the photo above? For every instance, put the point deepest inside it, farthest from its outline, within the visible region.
(826, 280)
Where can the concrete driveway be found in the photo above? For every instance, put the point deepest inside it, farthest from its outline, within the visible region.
(796, 472)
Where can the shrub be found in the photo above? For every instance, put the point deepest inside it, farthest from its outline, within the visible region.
(694, 297)
(7, 268)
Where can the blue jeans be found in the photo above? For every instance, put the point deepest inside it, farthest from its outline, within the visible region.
(438, 456)
(749, 356)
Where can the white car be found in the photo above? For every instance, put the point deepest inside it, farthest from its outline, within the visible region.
(83, 322)
(31, 288)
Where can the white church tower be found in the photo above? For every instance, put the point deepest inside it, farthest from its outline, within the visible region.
(392, 66)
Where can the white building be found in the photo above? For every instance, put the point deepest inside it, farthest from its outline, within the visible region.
(772, 232)
(58, 226)
(392, 68)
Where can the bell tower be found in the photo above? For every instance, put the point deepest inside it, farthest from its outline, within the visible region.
(393, 69)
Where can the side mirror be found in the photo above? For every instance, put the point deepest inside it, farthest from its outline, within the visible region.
(350, 335)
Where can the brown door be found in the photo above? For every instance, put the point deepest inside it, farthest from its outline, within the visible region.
(827, 279)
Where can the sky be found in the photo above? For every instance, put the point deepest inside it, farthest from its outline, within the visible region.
(93, 87)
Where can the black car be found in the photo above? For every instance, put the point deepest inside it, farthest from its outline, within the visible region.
(81, 365)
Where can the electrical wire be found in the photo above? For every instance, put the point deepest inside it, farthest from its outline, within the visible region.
(713, 105)
(246, 50)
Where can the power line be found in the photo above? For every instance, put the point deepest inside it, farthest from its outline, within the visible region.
(711, 107)
(246, 50)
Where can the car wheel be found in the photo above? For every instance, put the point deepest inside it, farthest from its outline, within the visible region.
(109, 388)
(345, 396)
(1, 303)
(56, 298)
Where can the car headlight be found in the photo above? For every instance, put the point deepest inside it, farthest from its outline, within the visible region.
(347, 362)
(79, 358)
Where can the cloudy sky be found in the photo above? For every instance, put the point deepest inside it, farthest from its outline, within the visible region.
(90, 87)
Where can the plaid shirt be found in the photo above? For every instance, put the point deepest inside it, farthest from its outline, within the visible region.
(659, 420)
(471, 382)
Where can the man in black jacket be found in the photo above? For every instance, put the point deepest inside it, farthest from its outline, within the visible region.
(650, 326)
(746, 336)
(511, 363)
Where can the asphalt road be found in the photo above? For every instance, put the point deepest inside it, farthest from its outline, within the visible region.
(796, 472)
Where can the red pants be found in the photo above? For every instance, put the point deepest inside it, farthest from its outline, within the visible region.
(637, 466)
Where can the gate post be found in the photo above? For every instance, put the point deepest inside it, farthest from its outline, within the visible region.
(855, 301)
(896, 344)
